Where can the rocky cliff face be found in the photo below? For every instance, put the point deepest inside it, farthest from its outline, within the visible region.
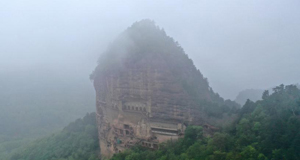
(148, 90)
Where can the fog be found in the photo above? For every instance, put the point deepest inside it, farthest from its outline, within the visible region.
(236, 44)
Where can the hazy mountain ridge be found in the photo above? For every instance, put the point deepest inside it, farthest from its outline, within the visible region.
(38, 102)
(252, 94)
(42, 100)
(77, 141)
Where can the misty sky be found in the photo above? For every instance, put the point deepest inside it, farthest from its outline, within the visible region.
(236, 44)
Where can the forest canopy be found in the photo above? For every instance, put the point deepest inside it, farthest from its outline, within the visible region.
(77, 141)
(268, 129)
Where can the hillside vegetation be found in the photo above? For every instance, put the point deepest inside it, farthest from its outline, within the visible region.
(34, 104)
(268, 129)
(77, 141)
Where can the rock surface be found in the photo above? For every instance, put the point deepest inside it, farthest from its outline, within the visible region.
(147, 91)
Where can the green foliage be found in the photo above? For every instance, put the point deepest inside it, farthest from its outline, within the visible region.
(268, 129)
(77, 141)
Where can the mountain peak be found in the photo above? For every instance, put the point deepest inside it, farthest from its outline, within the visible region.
(145, 80)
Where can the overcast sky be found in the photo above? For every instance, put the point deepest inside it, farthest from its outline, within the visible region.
(236, 44)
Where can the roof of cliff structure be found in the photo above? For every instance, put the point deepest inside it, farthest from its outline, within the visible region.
(145, 41)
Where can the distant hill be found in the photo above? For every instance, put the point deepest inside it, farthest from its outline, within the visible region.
(35, 103)
(252, 94)
(77, 141)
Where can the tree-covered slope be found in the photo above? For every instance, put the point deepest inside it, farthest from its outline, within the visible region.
(38, 102)
(268, 129)
(77, 141)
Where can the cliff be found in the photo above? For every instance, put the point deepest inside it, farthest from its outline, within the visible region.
(148, 90)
